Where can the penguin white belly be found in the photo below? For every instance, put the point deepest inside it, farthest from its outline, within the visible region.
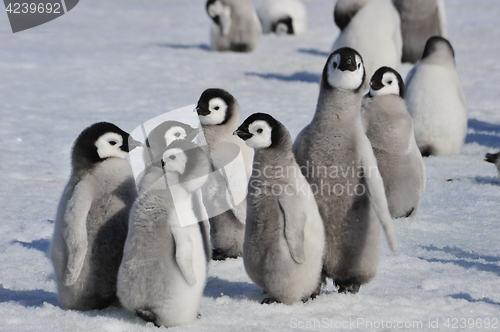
(439, 115)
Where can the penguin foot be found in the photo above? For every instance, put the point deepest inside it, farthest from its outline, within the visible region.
(269, 300)
(218, 255)
(147, 315)
(348, 286)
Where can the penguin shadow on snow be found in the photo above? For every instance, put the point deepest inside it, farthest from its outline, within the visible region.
(301, 76)
(42, 245)
(204, 47)
(484, 133)
(28, 298)
(314, 52)
(468, 297)
(217, 287)
(465, 259)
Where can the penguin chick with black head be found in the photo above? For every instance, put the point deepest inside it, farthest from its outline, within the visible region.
(220, 115)
(163, 271)
(284, 237)
(436, 100)
(92, 218)
(283, 17)
(235, 27)
(337, 159)
(389, 128)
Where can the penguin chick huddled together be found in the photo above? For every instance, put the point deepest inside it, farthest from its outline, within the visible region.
(235, 26)
(284, 237)
(283, 17)
(92, 218)
(163, 271)
(220, 115)
(337, 159)
(389, 128)
(420, 20)
(372, 28)
(436, 100)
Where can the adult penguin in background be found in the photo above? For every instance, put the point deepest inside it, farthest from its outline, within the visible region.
(389, 128)
(436, 100)
(283, 17)
(163, 271)
(337, 159)
(284, 236)
(420, 20)
(235, 27)
(220, 115)
(374, 30)
(92, 218)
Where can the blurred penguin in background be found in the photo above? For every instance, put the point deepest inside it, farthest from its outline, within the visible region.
(420, 20)
(283, 17)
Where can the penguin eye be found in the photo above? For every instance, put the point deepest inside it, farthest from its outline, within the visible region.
(335, 65)
(177, 134)
(112, 143)
(390, 82)
(172, 157)
(359, 65)
(259, 130)
(216, 108)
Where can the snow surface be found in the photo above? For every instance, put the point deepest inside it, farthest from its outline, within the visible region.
(127, 61)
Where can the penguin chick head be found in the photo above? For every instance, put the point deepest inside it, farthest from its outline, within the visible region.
(100, 141)
(215, 8)
(186, 159)
(261, 131)
(387, 81)
(215, 107)
(344, 69)
(439, 50)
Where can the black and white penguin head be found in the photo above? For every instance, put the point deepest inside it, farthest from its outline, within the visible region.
(100, 141)
(283, 26)
(439, 50)
(216, 9)
(387, 81)
(344, 69)
(164, 134)
(261, 131)
(215, 107)
(185, 159)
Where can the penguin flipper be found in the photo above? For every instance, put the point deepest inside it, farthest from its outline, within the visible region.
(184, 252)
(295, 220)
(376, 192)
(75, 231)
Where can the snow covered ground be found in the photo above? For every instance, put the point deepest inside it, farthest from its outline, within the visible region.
(127, 61)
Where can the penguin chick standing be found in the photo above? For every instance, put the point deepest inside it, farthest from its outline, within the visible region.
(374, 31)
(420, 20)
(337, 159)
(436, 100)
(284, 236)
(493, 158)
(282, 16)
(163, 271)
(220, 115)
(235, 27)
(92, 218)
(389, 128)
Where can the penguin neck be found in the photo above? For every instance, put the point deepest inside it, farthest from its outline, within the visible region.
(270, 161)
(337, 106)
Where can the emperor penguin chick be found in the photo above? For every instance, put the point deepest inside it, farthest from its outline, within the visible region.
(163, 272)
(374, 30)
(220, 115)
(235, 27)
(282, 16)
(337, 159)
(92, 218)
(436, 101)
(389, 128)
(420, 20)
(284, 236)
(493, 158)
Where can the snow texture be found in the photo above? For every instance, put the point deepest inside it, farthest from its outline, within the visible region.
(128, 61)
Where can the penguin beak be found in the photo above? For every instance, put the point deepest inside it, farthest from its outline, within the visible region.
(348, 63)
(244, 135)
(201, 111)
(376, 85)
(132, 144)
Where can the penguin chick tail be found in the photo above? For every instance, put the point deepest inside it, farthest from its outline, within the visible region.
(147, 315)
(491, 157)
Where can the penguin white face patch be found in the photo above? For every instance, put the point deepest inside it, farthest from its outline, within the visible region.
(218, 108)
(348, 80)
(390, 85)
(174, 160)
(261, 131)
(223, 14)
(174, 133)
(109, 144)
